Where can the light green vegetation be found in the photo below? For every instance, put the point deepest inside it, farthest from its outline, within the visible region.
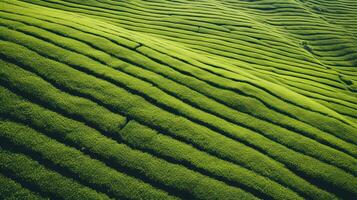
(178, 99)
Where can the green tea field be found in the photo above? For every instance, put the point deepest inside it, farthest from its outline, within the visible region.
(178, 99)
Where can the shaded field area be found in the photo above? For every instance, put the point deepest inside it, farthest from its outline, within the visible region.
(178, 99)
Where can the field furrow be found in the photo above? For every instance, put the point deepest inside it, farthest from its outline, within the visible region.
(159, 99)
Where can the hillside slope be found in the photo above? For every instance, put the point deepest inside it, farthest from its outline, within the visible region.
(178, 99)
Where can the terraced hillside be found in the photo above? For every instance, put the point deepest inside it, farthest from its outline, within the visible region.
(178, 99)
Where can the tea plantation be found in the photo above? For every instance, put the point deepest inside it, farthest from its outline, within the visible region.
(178, 99)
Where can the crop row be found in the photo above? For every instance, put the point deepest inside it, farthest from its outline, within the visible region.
(121, 101)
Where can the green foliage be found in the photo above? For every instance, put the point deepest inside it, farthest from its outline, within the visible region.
(178, 99)
(10, 189)
(49, 183)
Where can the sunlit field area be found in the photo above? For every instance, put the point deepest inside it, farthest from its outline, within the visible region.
(178, 99)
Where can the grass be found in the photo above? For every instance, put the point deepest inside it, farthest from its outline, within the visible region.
(178, 99)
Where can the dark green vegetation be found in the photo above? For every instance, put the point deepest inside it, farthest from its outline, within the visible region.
(159, 99)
